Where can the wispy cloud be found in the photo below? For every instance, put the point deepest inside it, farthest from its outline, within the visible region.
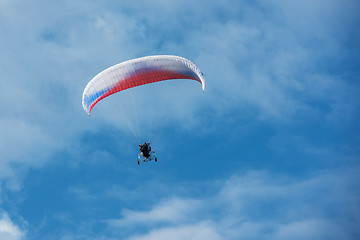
(257, 205)
(9, 230)
(170, 211)
(273, 62)
(198, 231)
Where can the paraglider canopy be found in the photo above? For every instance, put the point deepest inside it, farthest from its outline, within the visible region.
(138, 72)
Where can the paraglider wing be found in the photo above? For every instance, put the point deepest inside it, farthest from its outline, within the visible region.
(138, 72)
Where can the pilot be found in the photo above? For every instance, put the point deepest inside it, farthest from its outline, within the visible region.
(145, 149)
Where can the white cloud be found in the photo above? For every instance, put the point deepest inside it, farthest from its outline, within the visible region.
(199, 231)
(8, 230)
(257, 205)
(311, 229)
(171, 211)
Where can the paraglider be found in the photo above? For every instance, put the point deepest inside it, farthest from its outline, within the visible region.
(137, 72)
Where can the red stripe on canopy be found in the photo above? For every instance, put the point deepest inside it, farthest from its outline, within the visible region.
(142, 79)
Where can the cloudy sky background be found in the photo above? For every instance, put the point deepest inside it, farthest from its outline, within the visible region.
(269, 151)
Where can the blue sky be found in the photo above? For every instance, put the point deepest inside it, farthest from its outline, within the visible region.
(269, 151)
